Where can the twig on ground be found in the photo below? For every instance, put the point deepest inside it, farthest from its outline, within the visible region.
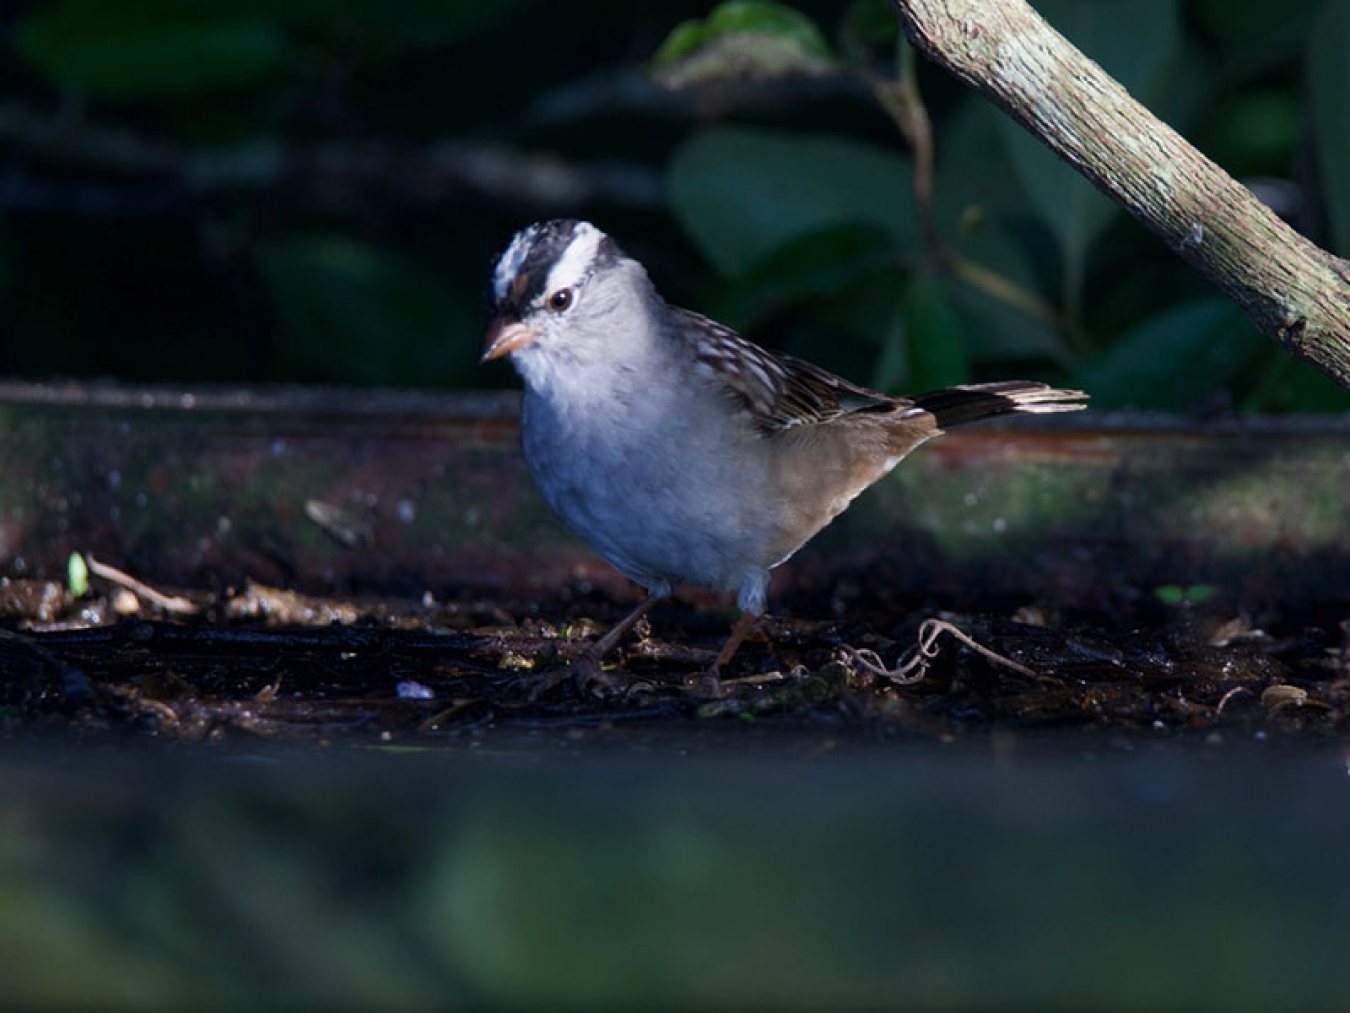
(913, 666)
(1223, 700)
(169, 603)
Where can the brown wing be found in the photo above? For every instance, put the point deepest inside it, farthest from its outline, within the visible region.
(778, 391)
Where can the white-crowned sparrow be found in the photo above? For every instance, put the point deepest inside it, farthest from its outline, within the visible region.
(680, 451)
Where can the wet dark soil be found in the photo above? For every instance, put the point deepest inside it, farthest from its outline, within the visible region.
(263, 662)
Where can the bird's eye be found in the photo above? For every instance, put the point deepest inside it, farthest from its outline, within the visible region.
(560, 300)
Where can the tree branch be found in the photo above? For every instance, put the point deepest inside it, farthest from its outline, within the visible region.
(1295, 291)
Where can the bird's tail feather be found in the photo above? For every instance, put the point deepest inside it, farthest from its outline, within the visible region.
(955, 406)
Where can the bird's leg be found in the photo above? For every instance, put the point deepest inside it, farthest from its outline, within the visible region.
(739, 631)
(611, 639)
(586, 670)
(709, 683)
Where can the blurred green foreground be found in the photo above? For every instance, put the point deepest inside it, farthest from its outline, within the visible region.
(612, 870)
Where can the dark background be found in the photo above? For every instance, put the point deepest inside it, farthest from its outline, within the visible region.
(314, 190)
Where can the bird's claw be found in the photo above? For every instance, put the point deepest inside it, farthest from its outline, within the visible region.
(706, 685)
(592, 680)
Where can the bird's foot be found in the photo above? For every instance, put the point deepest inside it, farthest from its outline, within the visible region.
(585, 674)
(592, 680)
(538, 686)
(706, 685)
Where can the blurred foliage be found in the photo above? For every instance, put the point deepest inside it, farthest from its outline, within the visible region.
(356, 313)
(742, 195)
(1156, 363)
(1139, 44)
(1329, 81)
(150, 49)
(541, 875)
(314, 190)
(761, 40)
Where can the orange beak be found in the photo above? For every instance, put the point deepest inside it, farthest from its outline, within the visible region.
(505, 336)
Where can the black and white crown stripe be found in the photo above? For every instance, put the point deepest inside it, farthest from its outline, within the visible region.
(546, 257)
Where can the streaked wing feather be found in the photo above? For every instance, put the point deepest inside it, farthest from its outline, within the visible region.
(778, 391)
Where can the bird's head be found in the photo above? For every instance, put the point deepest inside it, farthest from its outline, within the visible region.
(562, 289)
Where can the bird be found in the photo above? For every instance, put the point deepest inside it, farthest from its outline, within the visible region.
(680, 451)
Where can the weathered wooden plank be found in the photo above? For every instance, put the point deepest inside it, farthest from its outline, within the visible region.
(342, 489)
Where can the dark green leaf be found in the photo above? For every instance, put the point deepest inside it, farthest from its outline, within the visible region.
(1256, 133)
(935, 343)
(349, 312)
(973, 166)
(854, 328)
(1175, 359)
(77, 576)
(1286, 383)
(890, 372)
(869, 25)
(997, 330)
(1170, 594)
(1177, 595)
(742, 39)
(813, 266)
(1253, 37)
(1311, 390)
(149, 48)
(1136, 41)
(740, 194)
(1073, 209)
(1329, 83)
(983, 215)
